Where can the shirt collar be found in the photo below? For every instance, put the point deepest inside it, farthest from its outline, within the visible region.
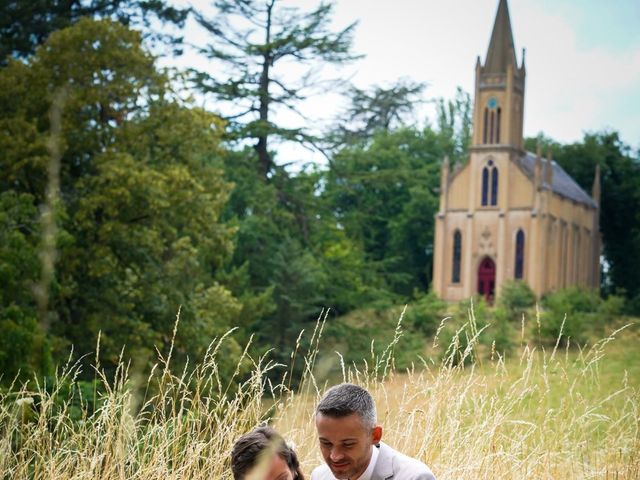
(372, 465)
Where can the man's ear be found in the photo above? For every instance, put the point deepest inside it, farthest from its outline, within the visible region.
(376, 434)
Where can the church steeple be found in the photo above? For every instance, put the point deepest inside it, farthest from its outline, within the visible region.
(501, 50)
(499, 95)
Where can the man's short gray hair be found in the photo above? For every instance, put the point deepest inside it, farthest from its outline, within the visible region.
(346, 399)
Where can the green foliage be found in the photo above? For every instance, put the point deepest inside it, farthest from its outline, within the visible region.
(290, 254)
(459, 337)
(383, 196)
(298, 281)
(375, 110)
(25, 25)
(141, 197)
(154, 215)
(350, 281)
(516, 297)
(500, 337)
(475, 331)
(426, 313)
(611, 307)
(569, 314)
(632, 305)
(23, 345)
(252, 40)
(475, 311)
(381, 187)
(454, 125)
(370, 335)
(493, 327)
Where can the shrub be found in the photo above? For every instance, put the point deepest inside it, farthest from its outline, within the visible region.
(426, 313)
(516, 298)
(478, 305)
(469, 317)
(608, 310)
(501, 332)
(580, 307)
(632, 306)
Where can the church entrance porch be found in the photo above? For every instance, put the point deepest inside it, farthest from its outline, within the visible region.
(487, 279)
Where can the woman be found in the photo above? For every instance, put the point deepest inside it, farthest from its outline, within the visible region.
(262, 454)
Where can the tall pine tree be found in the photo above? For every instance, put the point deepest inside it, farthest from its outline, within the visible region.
(251, 40)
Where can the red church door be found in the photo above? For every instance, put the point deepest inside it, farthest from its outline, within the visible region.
(487, 279)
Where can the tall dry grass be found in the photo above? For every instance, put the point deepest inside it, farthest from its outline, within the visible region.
(541, 415)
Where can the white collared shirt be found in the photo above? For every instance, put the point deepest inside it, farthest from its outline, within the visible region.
(372, 464)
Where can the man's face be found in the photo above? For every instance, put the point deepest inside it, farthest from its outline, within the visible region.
(346, 444)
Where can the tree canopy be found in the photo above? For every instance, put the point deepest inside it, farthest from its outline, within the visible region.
(139, 200)
(251, 40)
(25, 25)
(122, 203)
(376, 109)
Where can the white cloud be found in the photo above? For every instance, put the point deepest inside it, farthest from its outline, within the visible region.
(572, 85)
(571, 90)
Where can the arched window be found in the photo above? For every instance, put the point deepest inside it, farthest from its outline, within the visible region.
(485, 186)
(492, 127)
(484, 125)
(494, 186)
(489, 185)
(457, 256)
(577, 267)
(519, 270)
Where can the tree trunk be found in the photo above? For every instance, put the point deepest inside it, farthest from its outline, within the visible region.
(262, 145)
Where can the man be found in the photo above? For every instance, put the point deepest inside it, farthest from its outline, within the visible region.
(350, 443)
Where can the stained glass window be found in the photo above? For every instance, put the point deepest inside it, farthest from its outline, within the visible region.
(457, 256)
(519, 270)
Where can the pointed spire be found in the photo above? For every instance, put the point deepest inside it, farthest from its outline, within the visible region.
(444, 178)
(444, 185)
(538, 167)
(549, 168)
(501, 47)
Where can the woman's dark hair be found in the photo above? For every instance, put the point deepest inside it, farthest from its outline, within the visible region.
(250, 447)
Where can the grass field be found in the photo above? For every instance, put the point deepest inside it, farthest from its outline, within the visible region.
(541, 413)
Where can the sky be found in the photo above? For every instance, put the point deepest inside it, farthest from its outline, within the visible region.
(582, 57)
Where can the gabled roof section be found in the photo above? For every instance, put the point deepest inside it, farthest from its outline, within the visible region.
(561, 181)
(501, 47)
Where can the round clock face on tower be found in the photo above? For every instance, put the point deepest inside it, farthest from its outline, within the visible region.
(492, 103)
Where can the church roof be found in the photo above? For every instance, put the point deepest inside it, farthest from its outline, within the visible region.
(501, 47)
(561, 181)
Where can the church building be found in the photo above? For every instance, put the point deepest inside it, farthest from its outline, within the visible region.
(508, 214)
